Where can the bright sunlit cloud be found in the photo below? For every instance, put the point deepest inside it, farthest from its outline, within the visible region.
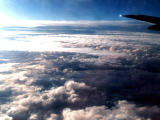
(4, 19)
(57, 36)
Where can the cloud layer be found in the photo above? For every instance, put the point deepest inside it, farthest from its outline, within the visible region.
(122, 111)
(107, 76)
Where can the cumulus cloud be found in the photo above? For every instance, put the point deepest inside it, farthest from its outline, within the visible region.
(52, 117)
(90, 72)
(122, 111)
(74, 80)
(5, 117)
(24, 105)
(27, 100)
(33, 117)
(68, 92)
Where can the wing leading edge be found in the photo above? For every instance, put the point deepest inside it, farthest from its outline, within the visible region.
(150, 19)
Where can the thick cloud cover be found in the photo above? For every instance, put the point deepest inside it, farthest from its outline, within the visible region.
(122, 111)
(114, 75)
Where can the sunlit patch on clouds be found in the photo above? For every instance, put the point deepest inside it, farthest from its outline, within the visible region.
(58, 71)
(62, 36)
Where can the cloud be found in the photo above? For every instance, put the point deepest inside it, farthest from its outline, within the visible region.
(26, 98)
(93, 71)
(122, 111)
(5, 117)
(90, 37)
(33, 117)
(88, 82)
(24, 105)
(52, 117)
(65, 93)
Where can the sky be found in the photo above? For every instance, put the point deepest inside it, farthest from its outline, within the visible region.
(76, 9)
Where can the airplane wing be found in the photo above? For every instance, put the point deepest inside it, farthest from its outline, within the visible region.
(150, 19)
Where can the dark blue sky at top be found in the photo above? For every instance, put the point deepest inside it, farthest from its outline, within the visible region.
(77, 9)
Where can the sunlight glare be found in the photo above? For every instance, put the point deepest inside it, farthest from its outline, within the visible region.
(5, 20)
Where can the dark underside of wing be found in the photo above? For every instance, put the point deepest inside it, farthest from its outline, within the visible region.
(155, 20)
(150, 19)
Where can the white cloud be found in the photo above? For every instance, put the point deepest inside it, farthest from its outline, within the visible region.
(113, 53)
(5, 117)
(66, 92)
(122, 111)
(28, 96)
(33, 117)
(52, 117)
(57, 38)
(28, 99)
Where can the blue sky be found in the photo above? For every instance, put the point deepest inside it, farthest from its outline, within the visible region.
(77, 9)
